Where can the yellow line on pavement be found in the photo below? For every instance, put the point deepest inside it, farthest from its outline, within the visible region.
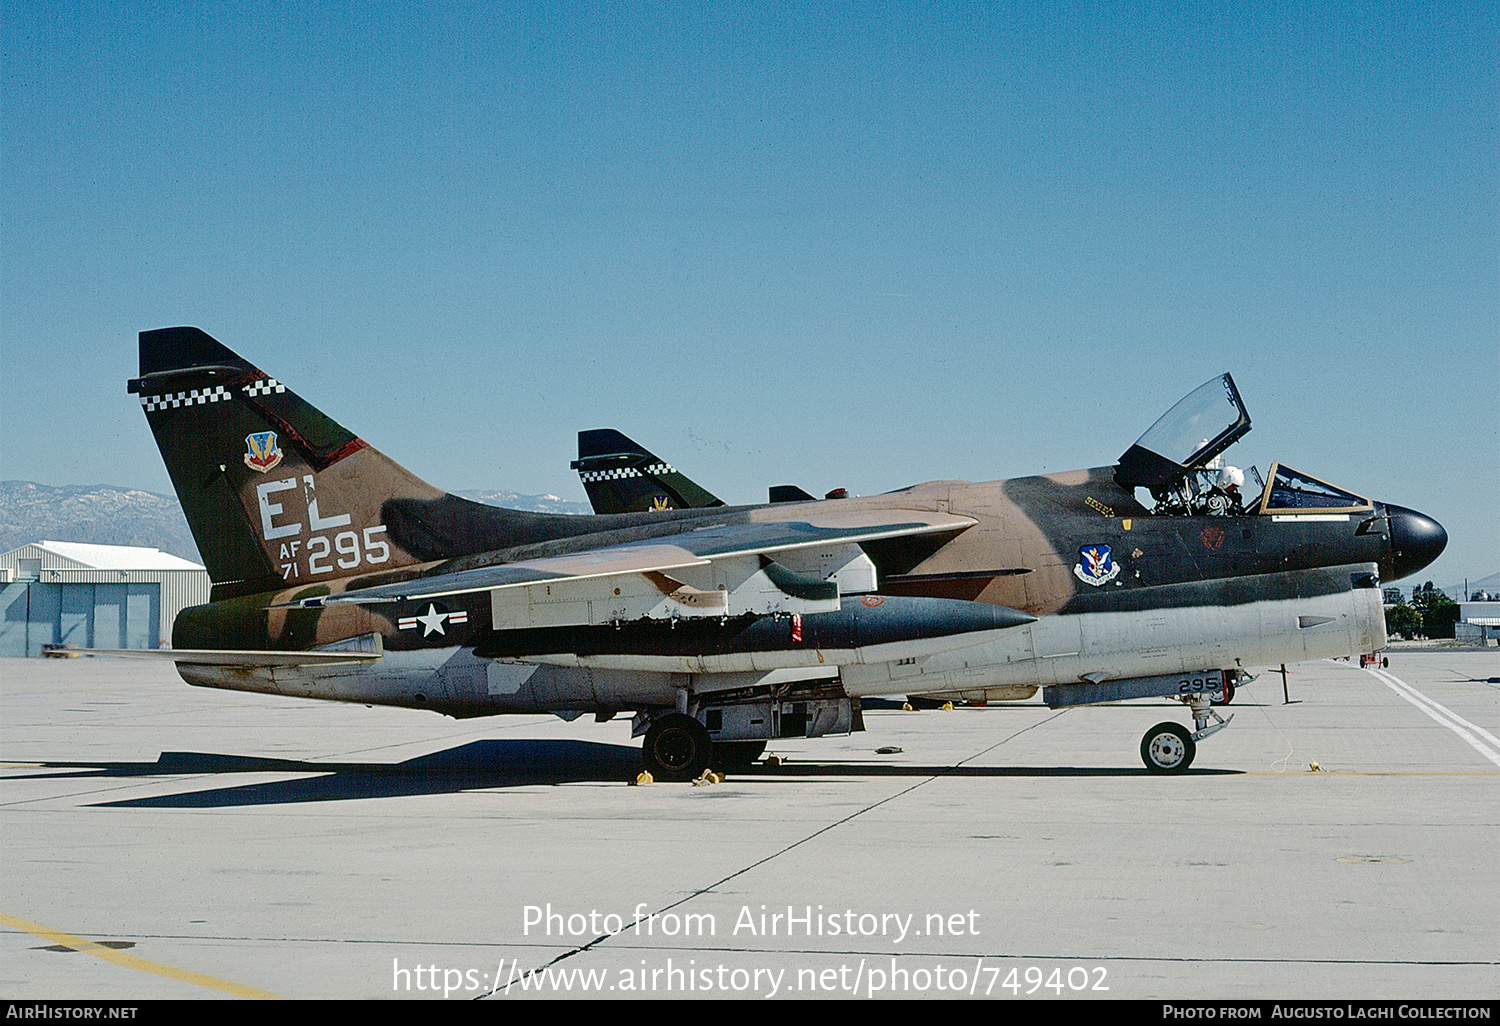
(1368, 773)
(120, 958)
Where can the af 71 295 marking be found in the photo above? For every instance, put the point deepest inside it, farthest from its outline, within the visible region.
(346, 543)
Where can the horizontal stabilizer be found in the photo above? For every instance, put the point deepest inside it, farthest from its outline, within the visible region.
(364, 649)
(234, 657)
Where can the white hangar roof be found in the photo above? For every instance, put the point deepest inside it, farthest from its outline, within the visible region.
(83, 556)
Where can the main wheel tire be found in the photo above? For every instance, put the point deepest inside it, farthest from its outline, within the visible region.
(736, 755)
(676, 748)
(1225, 696)
(1168, 748)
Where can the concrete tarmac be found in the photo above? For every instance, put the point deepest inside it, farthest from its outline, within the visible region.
(165, 841)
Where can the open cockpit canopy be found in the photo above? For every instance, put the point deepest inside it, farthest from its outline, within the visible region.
(1187, 438)
(1177, 460)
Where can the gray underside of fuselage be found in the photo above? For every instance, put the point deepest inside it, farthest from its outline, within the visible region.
(1009, 665)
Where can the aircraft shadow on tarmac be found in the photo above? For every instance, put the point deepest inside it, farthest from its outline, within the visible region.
(476, 766)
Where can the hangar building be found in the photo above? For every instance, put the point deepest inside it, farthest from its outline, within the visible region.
(1478, 622)
(93, 596)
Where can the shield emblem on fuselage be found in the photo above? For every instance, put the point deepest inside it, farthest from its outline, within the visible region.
(1096, 565)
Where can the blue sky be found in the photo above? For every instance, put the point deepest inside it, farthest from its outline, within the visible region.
(856, 245)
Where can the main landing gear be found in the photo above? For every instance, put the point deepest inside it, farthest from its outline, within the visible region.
(677, 748)
(1169, 747)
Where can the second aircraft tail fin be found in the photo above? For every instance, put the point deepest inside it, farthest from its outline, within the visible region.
(621, 476)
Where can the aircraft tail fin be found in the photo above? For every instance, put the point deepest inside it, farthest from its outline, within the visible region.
(621, 476)
(278, 494)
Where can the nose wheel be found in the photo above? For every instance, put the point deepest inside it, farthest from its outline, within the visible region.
(1170, 747)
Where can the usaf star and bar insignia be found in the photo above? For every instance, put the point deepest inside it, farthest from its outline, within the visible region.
(433, 621)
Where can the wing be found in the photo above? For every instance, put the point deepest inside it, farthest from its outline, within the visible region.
(719, 570)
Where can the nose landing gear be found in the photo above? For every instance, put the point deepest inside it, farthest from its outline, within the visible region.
(1169, 747)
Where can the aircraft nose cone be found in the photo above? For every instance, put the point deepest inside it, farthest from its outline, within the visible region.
(1416, 540)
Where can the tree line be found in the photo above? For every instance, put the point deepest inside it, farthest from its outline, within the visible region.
(1430, 614)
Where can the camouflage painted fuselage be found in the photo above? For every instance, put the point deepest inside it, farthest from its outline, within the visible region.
(289, 507)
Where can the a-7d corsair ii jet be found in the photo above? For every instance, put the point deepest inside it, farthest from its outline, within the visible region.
(339, 575)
